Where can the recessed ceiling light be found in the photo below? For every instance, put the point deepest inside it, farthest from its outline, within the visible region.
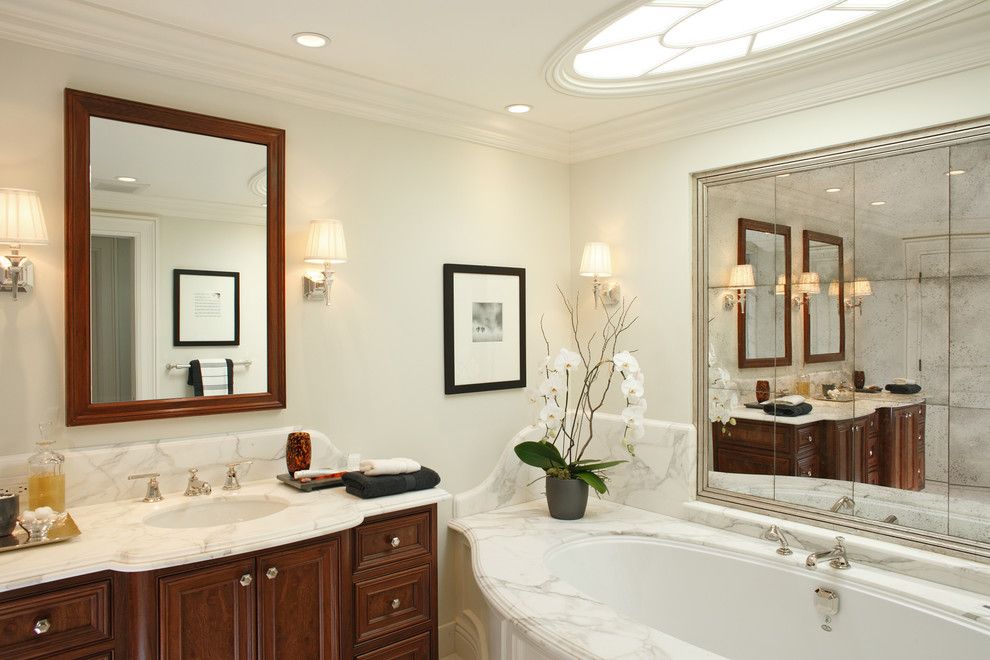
(311, 39)
(518, 108)
(955, 172)
(126, 179)
(879, 202)
(833, 190)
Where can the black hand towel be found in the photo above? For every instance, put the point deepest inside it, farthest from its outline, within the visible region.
(907, 388)
(786, 410)
(366, 487)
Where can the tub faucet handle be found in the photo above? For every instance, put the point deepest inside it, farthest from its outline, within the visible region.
(775, 533)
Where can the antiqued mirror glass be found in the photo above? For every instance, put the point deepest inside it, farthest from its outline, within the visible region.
(891, 289)
(175, 236)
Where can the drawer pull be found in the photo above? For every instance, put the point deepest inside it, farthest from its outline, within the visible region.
(395, 603)
(395, 542)
(246, 579)
(41, 626)
(869, 453)
(808, 473)
(271, 573)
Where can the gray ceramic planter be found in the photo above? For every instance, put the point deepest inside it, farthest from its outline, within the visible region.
(566, 498)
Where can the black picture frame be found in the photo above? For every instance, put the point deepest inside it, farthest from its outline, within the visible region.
(450, 356)
(177, 275)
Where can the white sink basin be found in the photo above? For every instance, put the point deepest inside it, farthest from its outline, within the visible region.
(215, 512)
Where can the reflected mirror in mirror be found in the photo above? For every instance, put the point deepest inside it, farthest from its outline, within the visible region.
(177, 264)
(823, 298)
(764, 324)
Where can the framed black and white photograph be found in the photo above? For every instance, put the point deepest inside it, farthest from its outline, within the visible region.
(484, 328)
(206, 308)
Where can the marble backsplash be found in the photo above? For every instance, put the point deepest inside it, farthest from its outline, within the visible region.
(99, 474)
(661, 477)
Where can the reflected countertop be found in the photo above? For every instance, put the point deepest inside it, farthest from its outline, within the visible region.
(115, 536)
(862, 405)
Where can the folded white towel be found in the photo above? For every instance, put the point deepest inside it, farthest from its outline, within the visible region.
(791, 400)
(379, 466)
(905, 381)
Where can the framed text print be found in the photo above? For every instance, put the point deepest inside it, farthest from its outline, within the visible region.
(206, 308)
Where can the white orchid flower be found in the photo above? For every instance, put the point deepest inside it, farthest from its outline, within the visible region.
(545, 363)
(567, 360)
(552, 386)
(552, 415)
(633, 416)
(632, 389)
(534, 395)
(641, 404)
(625, 362)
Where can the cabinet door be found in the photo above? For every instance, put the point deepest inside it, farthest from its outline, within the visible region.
(299, 593)
(209, 614)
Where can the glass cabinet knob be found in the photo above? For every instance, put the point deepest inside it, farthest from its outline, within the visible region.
(395, 542)
(395, 603)
(271, 573)
(246, 579)
(41, 626)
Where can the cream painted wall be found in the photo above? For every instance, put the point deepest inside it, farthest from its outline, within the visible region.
(369, 371)
(640, 202)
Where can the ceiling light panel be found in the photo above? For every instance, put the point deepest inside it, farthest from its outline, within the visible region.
(643, 22)
(730, 19)
(869, 4)
(805, 27)
(628, 60)
(704, 55)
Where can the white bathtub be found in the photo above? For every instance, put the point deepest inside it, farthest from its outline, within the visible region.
(744, 608)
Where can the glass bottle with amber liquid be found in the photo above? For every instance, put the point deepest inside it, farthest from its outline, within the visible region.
(46, 478)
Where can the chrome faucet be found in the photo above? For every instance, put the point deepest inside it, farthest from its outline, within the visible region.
(196, 486)
(232, 482)
(842, 502)
(775, 533)
(154, 493)
(837, 555)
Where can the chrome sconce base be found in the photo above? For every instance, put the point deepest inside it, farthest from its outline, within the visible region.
(317, 285)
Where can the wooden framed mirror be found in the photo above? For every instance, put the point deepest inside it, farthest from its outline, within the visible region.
(174, 262)
(824, 311)
(763, 322)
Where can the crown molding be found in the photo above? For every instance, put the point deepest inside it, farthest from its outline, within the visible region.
(104, 201)
(82, 29)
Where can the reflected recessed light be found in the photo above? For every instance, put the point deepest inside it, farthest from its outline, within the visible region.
(518, 108)
(781, 176)
(126, 179)
(833, 190)
(955, 172)
(878, 203)
(311, 39)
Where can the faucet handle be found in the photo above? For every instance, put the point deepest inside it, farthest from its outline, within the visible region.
(840, 542)
(232, 482)
(154, 493)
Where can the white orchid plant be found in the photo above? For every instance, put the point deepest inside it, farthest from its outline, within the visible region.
(584, 378)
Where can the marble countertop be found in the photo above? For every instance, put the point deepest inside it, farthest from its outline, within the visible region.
(115, 537)
(508, 547)
(863, 404)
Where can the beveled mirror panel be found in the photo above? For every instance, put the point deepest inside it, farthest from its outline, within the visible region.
(892, 289)
(174, 262)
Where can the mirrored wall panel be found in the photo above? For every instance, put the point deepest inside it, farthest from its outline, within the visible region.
(878, 270)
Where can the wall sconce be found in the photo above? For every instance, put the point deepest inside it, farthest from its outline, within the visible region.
(741, 279)
(780, 288)
(858, 289)
(325, 246)
(808, 284)
(21, 223)
(596, 261)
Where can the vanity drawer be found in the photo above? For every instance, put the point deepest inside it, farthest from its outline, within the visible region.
(414, 648)
(392, 539)
(808, 466)
(392, 602)
(37, 626)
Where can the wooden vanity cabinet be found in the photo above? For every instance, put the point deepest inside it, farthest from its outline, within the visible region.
(756, 447)
(904, 449)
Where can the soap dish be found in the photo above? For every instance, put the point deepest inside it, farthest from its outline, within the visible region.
(63, 530)
(308, 486)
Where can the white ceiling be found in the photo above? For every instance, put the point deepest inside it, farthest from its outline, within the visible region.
(450, 66)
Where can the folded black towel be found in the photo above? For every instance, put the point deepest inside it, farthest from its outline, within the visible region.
(907, 388)
(366, 487)
(787, 410)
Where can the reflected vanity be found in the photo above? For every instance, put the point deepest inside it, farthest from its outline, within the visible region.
(174, 262)
(892, 281)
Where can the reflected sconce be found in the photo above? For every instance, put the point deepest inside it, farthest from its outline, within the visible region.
(808, 284)
(780, 288)
(325, 246)
(21, 223)
(833, 289)
(596, 262)
(858, 289)
(741, 279)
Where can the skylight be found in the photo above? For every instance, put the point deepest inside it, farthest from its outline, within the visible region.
(666, 37)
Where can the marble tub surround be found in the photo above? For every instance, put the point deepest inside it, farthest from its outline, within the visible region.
(508, 545)
(99, 474)
(116, 537)
(660, 477)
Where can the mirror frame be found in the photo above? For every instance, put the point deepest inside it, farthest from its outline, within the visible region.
(80, 107)
(745, 224)
(889, 145)
(809, 357)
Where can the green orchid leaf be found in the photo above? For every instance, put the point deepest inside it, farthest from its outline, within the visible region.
(592, 480)
(594, 467)
(543, 455)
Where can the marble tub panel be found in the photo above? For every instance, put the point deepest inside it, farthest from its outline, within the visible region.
(969, 447)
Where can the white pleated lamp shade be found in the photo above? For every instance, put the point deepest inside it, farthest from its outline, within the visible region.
(809, 283)
(833, 288)
(596, 261)
(861, 288)
(326, 243)
(742, 277)
(781, 287)
(21, 219)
